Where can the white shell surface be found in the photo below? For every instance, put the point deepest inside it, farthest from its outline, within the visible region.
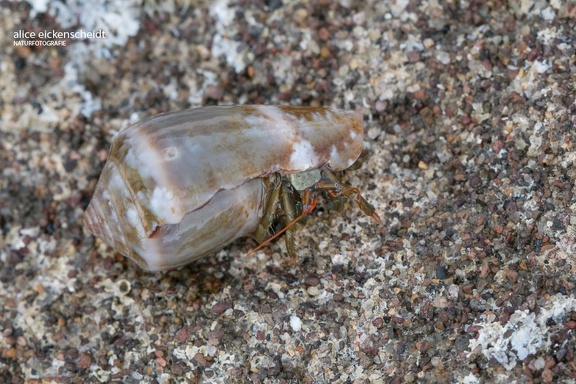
(230, 214)
(168, 175)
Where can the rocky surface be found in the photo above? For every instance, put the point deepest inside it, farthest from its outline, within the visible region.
(470, 118)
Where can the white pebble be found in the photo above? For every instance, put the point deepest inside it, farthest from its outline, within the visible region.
(295, 323)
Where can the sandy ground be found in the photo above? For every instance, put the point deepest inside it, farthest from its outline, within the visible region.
(470, 116)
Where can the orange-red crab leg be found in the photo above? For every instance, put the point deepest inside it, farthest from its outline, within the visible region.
(308, 205)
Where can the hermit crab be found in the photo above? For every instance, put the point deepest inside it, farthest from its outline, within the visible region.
(181, 185)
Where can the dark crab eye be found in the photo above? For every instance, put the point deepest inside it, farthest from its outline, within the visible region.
(180, 185)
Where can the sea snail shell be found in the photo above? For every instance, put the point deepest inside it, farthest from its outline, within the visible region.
(181, 185)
